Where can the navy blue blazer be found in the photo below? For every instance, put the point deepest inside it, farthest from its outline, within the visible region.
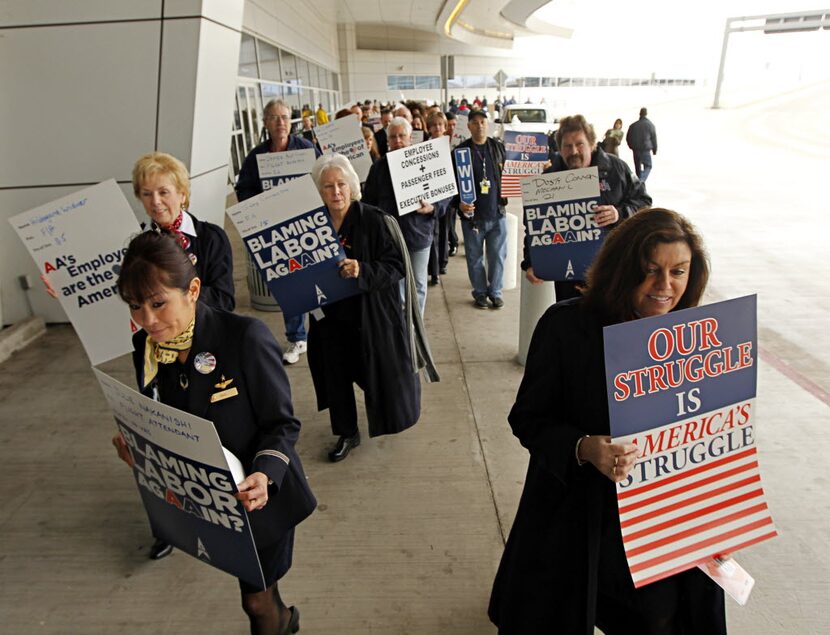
(258, 424)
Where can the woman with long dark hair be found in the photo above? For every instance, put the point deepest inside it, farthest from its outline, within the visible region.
(564, 569)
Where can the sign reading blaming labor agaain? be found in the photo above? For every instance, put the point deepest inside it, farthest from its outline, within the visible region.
(422, 172)
(293, 244)
(560, 226)
(185, 481)
(682, 388)
(78, 241)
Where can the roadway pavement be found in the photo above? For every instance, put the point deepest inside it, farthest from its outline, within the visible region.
(410, 528)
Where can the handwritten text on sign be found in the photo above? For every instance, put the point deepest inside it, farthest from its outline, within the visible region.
(79, 241)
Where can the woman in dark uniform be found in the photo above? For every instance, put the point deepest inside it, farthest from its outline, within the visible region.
(368, 339)
(162, 184)
(185, 350)
(564, 569)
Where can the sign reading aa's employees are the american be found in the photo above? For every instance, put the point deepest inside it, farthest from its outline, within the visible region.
(78, 241)
(559, 222)
(276, 168)
(422, 172)
(185, 481)
(294, 246)
(344, 136)
(682, 388)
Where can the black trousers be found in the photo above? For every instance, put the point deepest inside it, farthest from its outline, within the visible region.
(343, 368)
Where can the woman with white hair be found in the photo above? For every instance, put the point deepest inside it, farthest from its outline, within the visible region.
(369, 339)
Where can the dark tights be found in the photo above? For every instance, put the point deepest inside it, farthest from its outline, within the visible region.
(266, 611)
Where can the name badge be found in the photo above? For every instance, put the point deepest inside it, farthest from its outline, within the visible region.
(224, 394)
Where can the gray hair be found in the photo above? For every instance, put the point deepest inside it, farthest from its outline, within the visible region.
(337, 162)
(400, 121)
(271, 105)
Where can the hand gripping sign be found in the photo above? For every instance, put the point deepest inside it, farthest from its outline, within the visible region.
(294, 246)
(464, 171)
(682, 388)
(185, 481)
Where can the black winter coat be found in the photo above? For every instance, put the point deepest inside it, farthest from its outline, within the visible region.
(214, 264)
(393, 390)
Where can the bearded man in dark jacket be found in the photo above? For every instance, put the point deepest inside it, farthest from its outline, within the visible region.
(621, 193)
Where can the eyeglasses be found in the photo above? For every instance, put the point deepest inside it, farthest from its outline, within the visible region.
(270, 118)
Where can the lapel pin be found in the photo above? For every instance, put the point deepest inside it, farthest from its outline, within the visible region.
(224, 383)
(204, 363)
(193, 258)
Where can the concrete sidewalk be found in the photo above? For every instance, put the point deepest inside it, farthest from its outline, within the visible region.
(410, 528)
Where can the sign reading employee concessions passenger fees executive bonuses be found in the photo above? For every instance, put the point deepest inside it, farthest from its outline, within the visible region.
(559, 222)
(79, 241)
(276, 168)
(682, 388)
(422, 172)
(185, 481)
(294, 246)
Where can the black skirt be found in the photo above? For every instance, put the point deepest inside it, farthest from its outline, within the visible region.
(275, 561)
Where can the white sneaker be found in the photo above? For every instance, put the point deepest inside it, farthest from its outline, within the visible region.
(293, 352)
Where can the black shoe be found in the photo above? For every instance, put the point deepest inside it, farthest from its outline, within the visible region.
(453, 250)
(343, 447)
(294, 622)
(160, 549)
(496, 303)
(434, 281)
(481, 302)
(443, 271)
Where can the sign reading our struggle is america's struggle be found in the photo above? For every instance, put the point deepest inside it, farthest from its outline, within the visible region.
(525, 155)
(293, 244)
(560, 227)
(186, 480)
(682, 388)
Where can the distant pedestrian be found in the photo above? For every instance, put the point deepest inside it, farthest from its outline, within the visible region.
(642, 139)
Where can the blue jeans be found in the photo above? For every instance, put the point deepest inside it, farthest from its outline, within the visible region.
(295, 328)
(420, 269)
(642, 164)
(492, 236)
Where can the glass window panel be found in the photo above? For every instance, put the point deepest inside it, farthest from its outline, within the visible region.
(400, 82)
(532, 82)
(335, 81)
(269, 61)
(289, 66)
(302, 71)
(427, 82)
(247, 57)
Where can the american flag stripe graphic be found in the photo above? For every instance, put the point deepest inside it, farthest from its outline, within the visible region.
(686, 511)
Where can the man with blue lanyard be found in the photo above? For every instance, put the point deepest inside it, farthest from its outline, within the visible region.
(483, 223)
